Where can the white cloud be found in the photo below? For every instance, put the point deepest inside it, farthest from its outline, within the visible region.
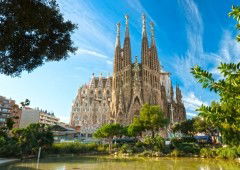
(138, 7)
(109, 62)
(190, 115)
(92, 26)
(191, 102)
(229, 51)
(91, 52)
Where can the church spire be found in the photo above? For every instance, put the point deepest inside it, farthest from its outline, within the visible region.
(127, 28)
(118, 36)
(144, 50)
(127, 46)
(117, 55)
(152, 34)
(144, 31)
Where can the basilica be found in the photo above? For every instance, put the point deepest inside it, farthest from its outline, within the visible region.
(118, 98)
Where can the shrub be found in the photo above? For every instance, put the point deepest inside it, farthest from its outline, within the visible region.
(189, 148)
(156, 143)
(228, 152)
(9, 147)
(178, 141)
(208, 153)
(76, 147)
(176, 153)
(186, 145)
(126, 148)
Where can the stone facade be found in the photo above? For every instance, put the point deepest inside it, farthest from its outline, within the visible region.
(91, 107)
(120, 97)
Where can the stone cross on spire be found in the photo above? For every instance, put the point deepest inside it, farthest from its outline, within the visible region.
(144, 32)
(127, 28)
(118, 35)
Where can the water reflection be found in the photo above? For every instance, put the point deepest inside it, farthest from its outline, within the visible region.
(111, 163)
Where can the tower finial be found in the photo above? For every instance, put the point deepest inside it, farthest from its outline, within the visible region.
(152, 33)
(127, 29)
(144, 33)
(118, 35)
(136, 59)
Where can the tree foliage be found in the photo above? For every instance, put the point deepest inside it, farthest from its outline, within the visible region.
(32, 32)
(31, 138)
(26, 141)
(235, 13)
(225, 114)
(202, 126)
(25, 103)
(136, 128)
(185, 127)
(108, 131)
(152, 118)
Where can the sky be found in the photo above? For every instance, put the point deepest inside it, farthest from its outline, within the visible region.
(187, 33)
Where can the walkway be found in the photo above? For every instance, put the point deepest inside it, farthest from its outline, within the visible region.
(5, 161)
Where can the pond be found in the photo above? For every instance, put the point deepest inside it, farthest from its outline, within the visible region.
(111, 163)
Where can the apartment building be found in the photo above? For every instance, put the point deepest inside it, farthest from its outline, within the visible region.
(9, 109)
(30, 115)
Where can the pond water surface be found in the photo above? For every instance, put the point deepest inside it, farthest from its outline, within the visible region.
(111, 163)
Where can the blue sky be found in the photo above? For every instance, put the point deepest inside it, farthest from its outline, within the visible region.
(188, 32)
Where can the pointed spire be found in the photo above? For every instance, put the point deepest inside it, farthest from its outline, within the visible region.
(100, 81)
(108, 83)
(144, 32)
(152, 34)
(127, 28)
(118, 35)
(92, 82)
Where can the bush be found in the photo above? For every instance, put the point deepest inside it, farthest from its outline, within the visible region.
(178, 141)
(208, 153)
(228, 152)
(9, 147)
(176, 153)
(156, 143)
(186, 145)
(76, 147)
(126, 148)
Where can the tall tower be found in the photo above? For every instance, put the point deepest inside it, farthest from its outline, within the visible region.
(115, 79)
(127, 45)
(117, 52)
(144, 50)
(154, 63)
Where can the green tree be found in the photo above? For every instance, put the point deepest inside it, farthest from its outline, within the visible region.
(136, 128)
(31, 138)
(202, 126)
(25, 103)
(109, 131)
(185, 127)
(235, 13)
(32, 32)
(225, 114)
(152, 118)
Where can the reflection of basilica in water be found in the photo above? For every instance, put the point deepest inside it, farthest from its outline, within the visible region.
(120, 97)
